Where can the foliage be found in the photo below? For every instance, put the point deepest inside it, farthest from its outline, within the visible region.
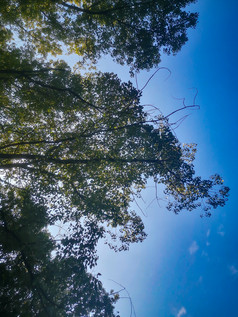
(65, 135)
(131, 31)
(35, 283)
(76, 149)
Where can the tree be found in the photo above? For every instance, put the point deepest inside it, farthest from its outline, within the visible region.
(77, 149)
(133, 32)
(67, 132)
(33, 283)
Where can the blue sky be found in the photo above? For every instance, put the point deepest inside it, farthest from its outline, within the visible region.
(188, 266)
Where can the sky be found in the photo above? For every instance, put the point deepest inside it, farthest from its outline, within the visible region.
(188, 266)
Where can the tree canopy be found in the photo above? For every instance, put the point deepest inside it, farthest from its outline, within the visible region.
(76, 149)
(133, 32)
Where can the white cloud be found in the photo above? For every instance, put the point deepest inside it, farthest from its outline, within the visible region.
(233, 270)
(208, 232)
(193, 248)
(181, 312)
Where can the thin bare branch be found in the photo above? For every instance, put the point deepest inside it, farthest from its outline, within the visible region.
(154, 75)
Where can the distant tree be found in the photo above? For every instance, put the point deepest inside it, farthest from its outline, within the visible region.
(133, 32)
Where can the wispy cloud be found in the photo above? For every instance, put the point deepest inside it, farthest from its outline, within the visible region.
(221, 231)
(181, 312)
(193, 248)
(200, 279)
(208, 232)
(233, 270)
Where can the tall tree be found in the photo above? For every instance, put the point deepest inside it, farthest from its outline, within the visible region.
(87, 142)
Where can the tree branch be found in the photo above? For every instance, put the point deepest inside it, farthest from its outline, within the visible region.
(47, 159)
(105, 11)
(63, 90)
(27, 72)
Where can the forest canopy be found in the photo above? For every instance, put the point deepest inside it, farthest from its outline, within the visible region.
(76, 149)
